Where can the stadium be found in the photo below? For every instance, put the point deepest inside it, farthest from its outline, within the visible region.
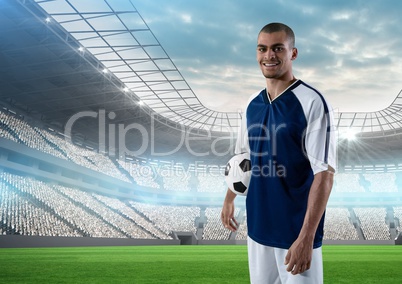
(104, 143)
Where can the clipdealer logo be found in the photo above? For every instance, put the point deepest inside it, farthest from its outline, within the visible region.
(112, 137)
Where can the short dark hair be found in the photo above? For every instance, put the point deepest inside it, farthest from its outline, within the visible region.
(279, 27)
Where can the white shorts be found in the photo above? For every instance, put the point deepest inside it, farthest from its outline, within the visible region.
(266, 266)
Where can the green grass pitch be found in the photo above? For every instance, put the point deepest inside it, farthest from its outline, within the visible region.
(184, 264)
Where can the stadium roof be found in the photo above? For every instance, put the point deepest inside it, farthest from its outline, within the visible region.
(114, 32)
(129, 67)
(386, 122)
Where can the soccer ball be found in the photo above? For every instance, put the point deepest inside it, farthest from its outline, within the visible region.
(238, 173)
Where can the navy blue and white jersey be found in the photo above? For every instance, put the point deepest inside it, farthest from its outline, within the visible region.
(290, 139)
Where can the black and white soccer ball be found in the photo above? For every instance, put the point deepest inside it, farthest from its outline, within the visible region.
(238, 173)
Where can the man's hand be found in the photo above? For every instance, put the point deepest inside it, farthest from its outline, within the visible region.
(227, 214)
(298, 258)
(300, 253)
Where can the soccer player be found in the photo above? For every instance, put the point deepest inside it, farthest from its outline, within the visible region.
(288, 131)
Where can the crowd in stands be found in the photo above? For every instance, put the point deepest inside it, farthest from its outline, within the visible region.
(372, 223)
(213, 230)
(23, 133)
(32, 207)
(83, 214)
(169, 218)
(381, 182)
(173, 179)
(143, 175)
(176, 181)
(133, 215)
(15, 128)
(18, 130)
(46, 197)
(5, 130)
(366, 182)
(107, 214)
(347, 183)
(84, 157)
(338, 225)
(211, 183)
(18, 215)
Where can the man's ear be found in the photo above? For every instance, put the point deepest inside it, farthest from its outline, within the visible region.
(294, 53)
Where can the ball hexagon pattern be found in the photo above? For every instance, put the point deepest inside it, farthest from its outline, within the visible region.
(238, 173)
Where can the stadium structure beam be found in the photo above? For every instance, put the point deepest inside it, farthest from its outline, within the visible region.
(120, 47)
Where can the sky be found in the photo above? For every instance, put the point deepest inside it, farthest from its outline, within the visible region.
(349, 50)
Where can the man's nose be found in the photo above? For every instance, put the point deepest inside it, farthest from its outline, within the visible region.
(270, 54)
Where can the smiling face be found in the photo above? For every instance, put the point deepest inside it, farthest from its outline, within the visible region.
(275, 54)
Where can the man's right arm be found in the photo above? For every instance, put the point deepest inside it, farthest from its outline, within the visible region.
(227, 214)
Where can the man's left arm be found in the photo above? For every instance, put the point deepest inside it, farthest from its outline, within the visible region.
(298, 258)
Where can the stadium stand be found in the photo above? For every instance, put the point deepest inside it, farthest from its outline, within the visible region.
(142, 174)
(381, 182)
(128, 227)
(130, 213)
(211, 183)
(347, 183)
(35, 208)
(23, 133)
(60, 206)
(5, 130)
(241, 233)
(19, 216)
(213, 229)
(338, 225)
(372, 223)
(153, 205)
(170, 218)
(64, 209)
(51, 144)
(175, 181)
(398, 218)
(84, 157)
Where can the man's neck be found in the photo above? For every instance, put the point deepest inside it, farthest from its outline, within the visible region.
(275, 87)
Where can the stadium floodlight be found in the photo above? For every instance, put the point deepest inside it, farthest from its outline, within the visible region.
(48, 20)
(350, 134)
(81, 49)
(141, 103)
(105, 71)
(126, 89)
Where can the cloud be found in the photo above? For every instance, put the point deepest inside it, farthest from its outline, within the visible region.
(350, 50)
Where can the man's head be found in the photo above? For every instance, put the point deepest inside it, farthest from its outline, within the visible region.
(276, 50)
(279, 27)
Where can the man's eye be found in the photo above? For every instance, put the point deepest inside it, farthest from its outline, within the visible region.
(262, 49)
(278, 49)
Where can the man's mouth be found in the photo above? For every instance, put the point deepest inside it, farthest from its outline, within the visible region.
(270, 64)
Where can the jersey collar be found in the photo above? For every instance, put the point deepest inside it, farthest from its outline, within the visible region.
(268, 99)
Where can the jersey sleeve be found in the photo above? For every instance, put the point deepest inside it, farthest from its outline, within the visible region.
(242, 145)
(321, 136)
